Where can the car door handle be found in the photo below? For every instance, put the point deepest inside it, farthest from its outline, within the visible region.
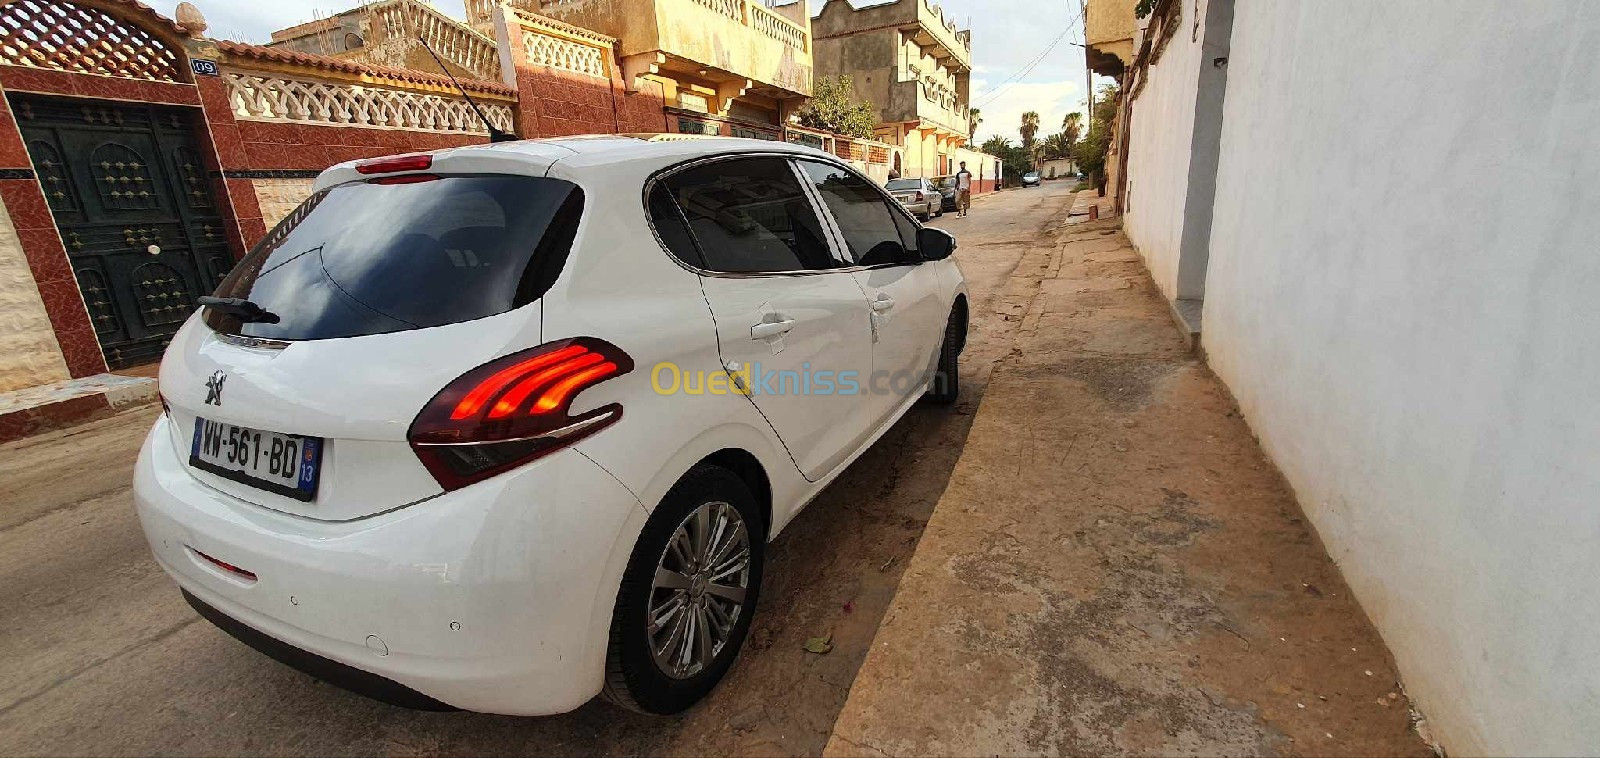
(769, 329)
(882, 304)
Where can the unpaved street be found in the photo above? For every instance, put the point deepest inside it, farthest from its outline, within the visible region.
(103, 657)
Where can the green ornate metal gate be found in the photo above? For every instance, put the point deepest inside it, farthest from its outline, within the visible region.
(130, 195)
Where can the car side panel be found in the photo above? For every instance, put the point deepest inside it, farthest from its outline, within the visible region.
(625, 288)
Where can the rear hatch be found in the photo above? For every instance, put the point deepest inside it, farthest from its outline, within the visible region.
(347, 319)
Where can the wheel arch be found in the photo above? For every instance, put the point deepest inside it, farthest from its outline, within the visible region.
(959, 311)
(747, 467)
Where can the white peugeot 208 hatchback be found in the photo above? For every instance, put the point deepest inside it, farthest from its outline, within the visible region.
(502, 428)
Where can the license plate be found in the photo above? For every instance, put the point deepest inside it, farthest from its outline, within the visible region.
(286, 464)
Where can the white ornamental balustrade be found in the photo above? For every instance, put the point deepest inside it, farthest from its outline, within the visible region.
(271, 98)
(733, 9)
(777, 27)
(567, 55)
(453, 41)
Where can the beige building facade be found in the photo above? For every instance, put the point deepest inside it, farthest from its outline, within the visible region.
(732, 67)
(914, 66)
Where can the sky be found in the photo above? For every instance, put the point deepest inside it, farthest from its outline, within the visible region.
(1011, 70)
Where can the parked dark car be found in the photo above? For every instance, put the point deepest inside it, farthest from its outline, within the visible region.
(947, 188)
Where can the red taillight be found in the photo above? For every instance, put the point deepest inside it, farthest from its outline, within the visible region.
(395, 164)
(515, 409)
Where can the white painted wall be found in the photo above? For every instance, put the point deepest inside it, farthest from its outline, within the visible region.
(1161, 126)
(1404, 295)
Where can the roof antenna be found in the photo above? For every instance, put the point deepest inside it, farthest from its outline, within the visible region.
(495, 135)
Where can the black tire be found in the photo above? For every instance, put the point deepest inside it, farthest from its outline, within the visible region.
(946, 387)
(633, 679)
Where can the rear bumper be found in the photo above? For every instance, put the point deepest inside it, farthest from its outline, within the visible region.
(494, 598)
(328, 670)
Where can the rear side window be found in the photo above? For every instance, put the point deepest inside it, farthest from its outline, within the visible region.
(748, 215)
(360, 259)
(863, 214)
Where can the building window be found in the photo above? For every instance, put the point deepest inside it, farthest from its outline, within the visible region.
(696, 126)
(748, 133)
(802, 138)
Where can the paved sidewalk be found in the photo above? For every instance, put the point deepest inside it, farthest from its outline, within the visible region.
(1115, 568)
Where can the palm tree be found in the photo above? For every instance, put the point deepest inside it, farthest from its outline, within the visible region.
(1030, 130)
(1072, 128)
(973, 120)
(1056, 147)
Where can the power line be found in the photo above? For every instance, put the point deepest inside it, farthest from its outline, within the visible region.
(995, 91)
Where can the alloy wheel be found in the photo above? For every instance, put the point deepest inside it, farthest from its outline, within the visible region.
(699, 590)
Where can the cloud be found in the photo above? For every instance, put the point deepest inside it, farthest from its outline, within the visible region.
(1003, 115)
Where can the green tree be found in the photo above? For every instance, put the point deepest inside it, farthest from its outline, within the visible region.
(1030, 133)
(1091, 151)
(973, 120)
(1055, 147)
(833, 107)
(1072, 128)
(1013, 158)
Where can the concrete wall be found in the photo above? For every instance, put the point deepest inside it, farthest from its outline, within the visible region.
(1402, 295)
(1060, 168)
(1175, 121)
(1160, 127)
(29, 354)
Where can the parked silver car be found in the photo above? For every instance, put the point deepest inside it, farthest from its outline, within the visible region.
(919, 196)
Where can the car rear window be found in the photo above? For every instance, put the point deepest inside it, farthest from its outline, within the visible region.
(905, 184)
(363, 258)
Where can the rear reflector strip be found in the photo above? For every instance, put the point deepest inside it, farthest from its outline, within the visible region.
(395, 164)
(225, 566)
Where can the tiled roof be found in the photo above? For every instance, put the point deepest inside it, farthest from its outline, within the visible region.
(340, 65)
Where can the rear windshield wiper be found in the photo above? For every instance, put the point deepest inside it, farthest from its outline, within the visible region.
(243, 309)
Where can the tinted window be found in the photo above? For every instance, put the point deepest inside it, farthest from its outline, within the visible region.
(669, 223)
(869, 226)
(905, 184)
(362, 258)
(750, 216)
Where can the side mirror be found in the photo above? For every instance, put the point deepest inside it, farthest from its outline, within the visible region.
(935, 244)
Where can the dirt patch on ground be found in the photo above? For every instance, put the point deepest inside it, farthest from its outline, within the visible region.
(1115, 568)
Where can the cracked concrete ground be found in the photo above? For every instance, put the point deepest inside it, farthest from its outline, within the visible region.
(1115, 567)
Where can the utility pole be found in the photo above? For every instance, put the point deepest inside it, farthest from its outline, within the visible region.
(1088, 74)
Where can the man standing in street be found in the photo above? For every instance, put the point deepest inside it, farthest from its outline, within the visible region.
(963, 190)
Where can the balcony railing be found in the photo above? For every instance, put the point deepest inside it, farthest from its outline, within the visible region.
(452, 40)
(747, 12)
(777, 27)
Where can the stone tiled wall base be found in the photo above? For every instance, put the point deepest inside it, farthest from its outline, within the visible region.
(279, 196)
(29, 354)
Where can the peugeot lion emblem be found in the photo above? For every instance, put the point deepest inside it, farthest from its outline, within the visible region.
(214, 388)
